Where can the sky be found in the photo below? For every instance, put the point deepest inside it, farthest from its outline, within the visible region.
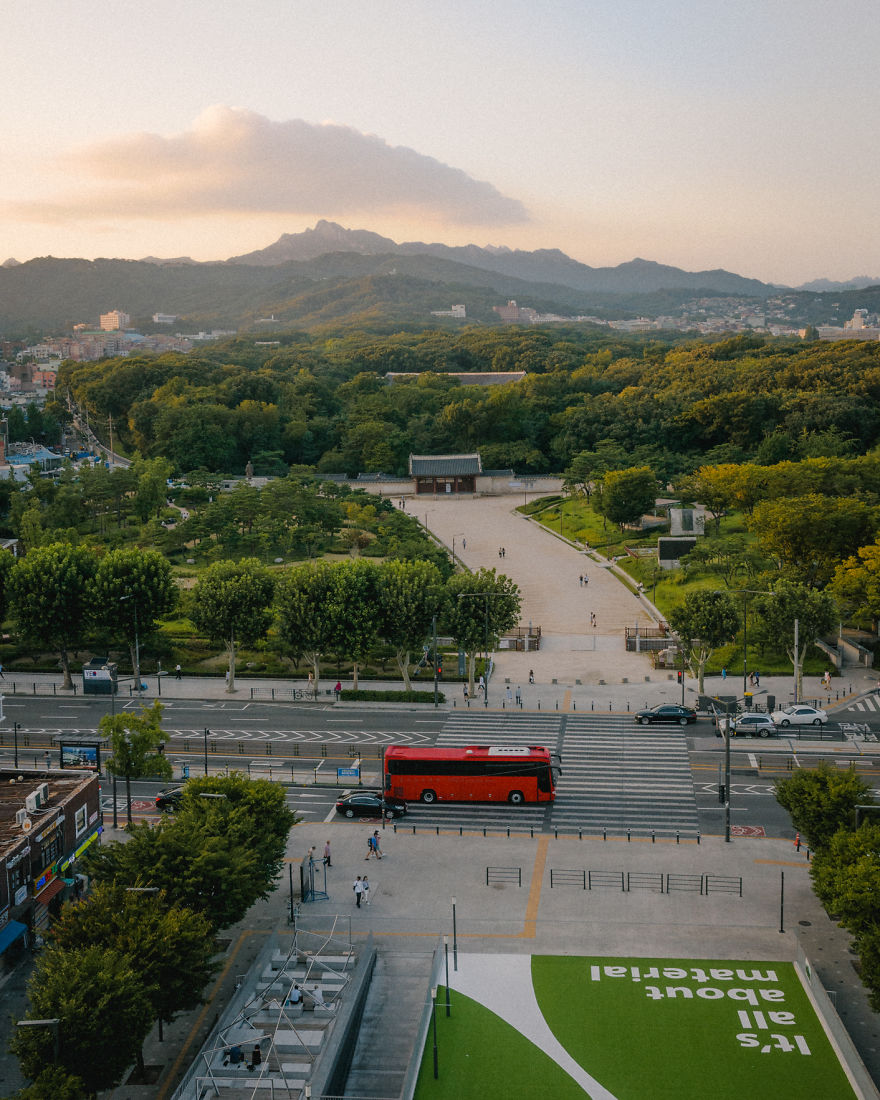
(696, 133)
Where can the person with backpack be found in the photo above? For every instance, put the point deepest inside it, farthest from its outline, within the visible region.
(358, 891)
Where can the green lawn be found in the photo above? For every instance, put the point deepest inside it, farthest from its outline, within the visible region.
(645, 1029)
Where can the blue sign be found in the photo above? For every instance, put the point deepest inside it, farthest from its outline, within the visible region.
(347, 773)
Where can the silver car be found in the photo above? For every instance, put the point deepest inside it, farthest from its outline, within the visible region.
(753, 725)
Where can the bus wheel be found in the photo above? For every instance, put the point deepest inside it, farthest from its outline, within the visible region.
(516, 798)
(429, 796)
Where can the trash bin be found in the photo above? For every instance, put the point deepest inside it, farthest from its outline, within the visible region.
(747, 699)
(771, 703)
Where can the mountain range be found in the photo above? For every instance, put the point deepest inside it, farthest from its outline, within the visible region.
(330, 275)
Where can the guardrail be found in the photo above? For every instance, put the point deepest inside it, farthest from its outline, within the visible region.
(658, 881)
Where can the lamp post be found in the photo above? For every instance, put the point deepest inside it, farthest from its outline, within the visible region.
(53, 1025)
(446, 958)
(434, 1021)
(137, 649)
(207, 731)
(15, 729)
(454, 939)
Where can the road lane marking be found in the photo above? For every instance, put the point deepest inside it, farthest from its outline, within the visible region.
(531, 922)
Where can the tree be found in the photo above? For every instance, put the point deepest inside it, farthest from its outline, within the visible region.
(815, 613)
(846, 876)
(152, 486)
(626, 495)
(809, 535)
(715, 487)
(867, 944)
(54, 1083)
(356, 610)
(171, 946)
(49, 591)
(705, 621)
(479, 608)
(218, 855)
(231, 603)
(130, 590)
(822, 800)
(136, 742)
(856, 585)
(104, 1015)
(306, 615)
(410, 595)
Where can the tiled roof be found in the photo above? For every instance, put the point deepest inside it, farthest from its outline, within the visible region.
(445, 465)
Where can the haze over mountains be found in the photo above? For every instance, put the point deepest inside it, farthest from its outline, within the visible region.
(329, 274)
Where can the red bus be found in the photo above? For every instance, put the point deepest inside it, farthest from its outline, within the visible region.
(477, 773)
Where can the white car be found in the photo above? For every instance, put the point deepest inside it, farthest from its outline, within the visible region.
(798, 714)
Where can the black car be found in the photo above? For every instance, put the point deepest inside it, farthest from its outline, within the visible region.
(369, 804)
(169, 800)
(667, 712)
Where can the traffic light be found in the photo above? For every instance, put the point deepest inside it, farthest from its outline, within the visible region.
(722, 793)
(680, 675)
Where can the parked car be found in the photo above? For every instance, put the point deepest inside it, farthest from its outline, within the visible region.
(169, 799)
(667, 712)
(753, 725)
(369, 804)
(799, 714)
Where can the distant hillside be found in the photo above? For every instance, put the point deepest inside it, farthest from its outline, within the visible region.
(544, 266)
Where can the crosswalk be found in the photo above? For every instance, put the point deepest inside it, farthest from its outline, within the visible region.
(868, 704)
(616, 776)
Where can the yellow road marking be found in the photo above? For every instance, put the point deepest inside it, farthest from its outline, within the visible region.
(163, 1091)
(566, 699)
(530, 926)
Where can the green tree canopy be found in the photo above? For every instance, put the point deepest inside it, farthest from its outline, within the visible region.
(846, 876)
(814, 611)
(169, 945)
(103, 1010)
(50, 595)
(231, 603)
(479, 608)
(306, 613)
(135, 746)
(355, 609)
(705, 621)
(130, 591)
(410, 595)
(822, 800)
(627, 495)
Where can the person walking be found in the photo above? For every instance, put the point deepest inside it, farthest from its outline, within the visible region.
(531, 675)
(327, 860)
(338, 690)
(724, 674)
(581, 580)
(2, 677)
(509, 694)
(358, 891)
(373, 846)
(518, 696)
(177, 672)
(365, 884)
(48, 759)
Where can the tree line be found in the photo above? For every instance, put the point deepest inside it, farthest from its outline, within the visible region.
(324, 402)
(60, 595)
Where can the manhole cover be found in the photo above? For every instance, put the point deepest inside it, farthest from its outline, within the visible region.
(805, 923)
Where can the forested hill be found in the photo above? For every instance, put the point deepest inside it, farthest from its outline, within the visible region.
(322, 400)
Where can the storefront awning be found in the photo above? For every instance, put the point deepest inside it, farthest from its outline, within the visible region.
(10, 932)
(45, 896)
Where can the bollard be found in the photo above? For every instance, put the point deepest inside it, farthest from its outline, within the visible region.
(592, 704)
(532, 831)
(54, 692)
(539, 704)
(580, 833)
(436, 830)
(698, 836)
(653, 837)
(484, 830)
(557, 704)
(574, 705)
(508, 832)
(609, 706)
(414, 830)
(556, 832)
(604, 832)
(628, 835)
(394, 826)
(627, 706)
(460, 833)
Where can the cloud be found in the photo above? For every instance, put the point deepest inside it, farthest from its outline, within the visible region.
(233, 161)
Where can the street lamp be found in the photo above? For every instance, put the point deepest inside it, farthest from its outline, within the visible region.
(454, 939)
(53, 1024)
(137, 651)
(434, 1020)
(207, 731)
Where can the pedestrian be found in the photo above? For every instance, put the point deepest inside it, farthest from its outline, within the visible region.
(327, 854)
(751, 679)
(48, 759)
(518, 696)
(358, 891)
(464, 688)
(464, 544)
(366, 889)
(581, 580)
(509, 694)
(724, 674)
(256, 1057)
(586, 579)
(2, 677)
(338, 689)
(757, 679)
(500, 552)
(376, 850)
(177, 672)
(531, 676)
(503, 552)
(311, 684)
(227, 677)
(481, 687)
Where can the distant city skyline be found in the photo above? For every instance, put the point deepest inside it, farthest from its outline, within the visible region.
(696, 133)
